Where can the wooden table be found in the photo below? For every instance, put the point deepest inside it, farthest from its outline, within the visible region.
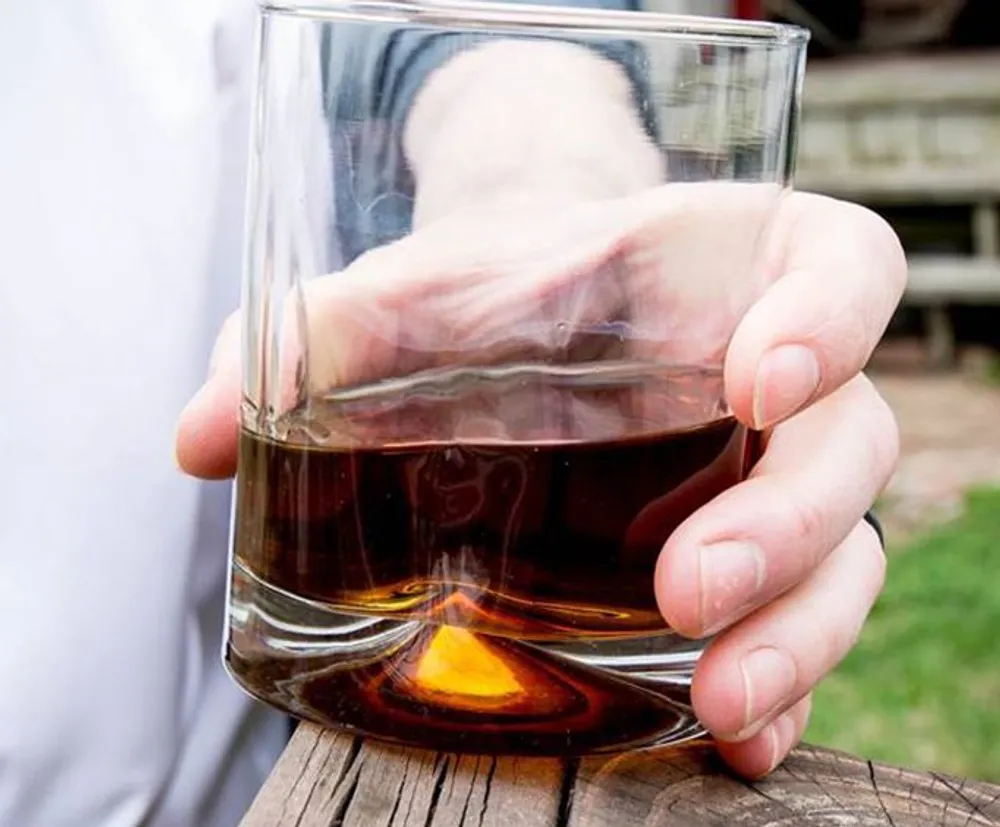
(329, 779)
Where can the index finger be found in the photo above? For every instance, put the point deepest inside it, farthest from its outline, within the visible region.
(838, 274)
(436, 297)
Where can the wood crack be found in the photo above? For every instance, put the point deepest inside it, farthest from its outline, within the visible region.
(974, 808)
(486, 793)
(441, 775)
(750, 785)
(399, 796)
(351, 767)
(566, 793)
(878, 794)
(328, 779)
(312, 786)
(469, 793)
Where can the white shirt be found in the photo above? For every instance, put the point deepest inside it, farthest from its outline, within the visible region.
(122, 143)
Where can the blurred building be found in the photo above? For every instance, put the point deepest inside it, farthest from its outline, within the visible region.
(902, 112)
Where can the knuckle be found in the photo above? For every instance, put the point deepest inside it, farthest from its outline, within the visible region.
(867, 558)
(874, 424)
(824, 647)
(842, 338)
(889, 244)
(884, 242)
(883, 429)
(887, 441)
(840, 641)
(808, 522)
(875, 250)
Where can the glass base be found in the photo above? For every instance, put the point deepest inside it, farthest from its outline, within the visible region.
(446, 687)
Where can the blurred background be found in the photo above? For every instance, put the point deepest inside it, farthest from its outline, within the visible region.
(901, 113)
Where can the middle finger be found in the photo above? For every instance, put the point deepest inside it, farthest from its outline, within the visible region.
(820, 472)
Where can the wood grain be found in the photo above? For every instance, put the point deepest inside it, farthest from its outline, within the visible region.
(329, 779)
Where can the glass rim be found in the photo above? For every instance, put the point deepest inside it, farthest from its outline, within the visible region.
(475, 14)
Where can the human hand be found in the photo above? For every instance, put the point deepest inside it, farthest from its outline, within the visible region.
(797, 570)
(782, 567)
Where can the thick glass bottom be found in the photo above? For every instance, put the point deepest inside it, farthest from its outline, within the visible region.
(447, 687)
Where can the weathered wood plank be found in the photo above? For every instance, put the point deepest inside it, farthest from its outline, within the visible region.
(327, 779)
(409, 788)
(689, 788)
(311, 783)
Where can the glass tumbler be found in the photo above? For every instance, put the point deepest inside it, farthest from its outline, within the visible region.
(496, 253)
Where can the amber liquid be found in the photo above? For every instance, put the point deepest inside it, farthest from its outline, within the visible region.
(472, 596)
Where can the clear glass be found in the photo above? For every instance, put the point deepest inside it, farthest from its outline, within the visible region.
(495, 256)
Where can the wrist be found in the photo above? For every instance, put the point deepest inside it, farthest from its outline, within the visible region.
(530, 122)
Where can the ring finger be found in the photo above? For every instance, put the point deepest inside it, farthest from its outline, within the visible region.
(761, 667)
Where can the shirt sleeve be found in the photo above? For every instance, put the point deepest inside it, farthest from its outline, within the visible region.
(373, 75)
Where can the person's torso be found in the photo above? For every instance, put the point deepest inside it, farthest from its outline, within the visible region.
(119, 253)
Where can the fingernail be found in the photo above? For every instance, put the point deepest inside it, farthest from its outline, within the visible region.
(732, 574)
(769, 678)
(781, 733)
(787, 378)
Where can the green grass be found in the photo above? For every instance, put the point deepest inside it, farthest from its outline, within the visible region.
(922, 687)
(993, 371)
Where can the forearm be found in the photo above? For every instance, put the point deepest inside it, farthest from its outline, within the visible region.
(526, 119)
